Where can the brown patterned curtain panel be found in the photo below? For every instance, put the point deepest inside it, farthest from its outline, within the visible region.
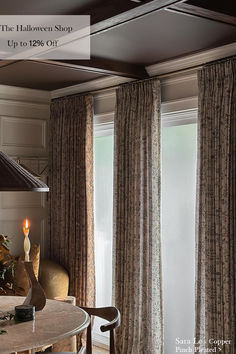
(71, 193)
(137, 251)
(216, 243)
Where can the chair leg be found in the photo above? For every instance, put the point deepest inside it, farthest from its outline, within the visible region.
(112, 344)
(89, 340)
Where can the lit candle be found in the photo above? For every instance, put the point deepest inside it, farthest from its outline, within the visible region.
(26, 241)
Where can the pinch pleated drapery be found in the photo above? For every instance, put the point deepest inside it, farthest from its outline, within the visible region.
(216, 229)
(71, 193)
(137, 251)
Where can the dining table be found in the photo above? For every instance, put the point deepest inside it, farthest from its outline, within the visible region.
(57, 321)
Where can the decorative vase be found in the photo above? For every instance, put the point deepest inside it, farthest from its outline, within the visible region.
(36, 295)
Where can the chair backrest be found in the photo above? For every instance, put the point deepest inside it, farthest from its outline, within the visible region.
(111, 314)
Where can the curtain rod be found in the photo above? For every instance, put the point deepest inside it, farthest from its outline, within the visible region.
(170, 74)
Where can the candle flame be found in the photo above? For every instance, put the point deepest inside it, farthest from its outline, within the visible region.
(26, 224)
(26, 240)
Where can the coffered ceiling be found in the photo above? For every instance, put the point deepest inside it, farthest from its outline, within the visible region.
(126, 36)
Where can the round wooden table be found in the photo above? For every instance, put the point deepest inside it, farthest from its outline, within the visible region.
(56, 321)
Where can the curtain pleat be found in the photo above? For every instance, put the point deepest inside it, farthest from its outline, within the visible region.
(137, 248)
(216, 231)
(71, 193)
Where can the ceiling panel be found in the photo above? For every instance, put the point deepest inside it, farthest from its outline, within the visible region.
(45, 7)
(160, 36)
(98, 9)
(42, 76)
(226, 7)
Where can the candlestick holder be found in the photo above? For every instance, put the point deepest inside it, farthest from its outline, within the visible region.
(27, 247)
(36, 295)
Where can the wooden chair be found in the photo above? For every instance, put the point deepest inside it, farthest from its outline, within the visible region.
(111, 314)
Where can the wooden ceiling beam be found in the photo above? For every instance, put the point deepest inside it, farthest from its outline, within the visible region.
(198, 11)
(4, 62)
(132, 14)
(102, 66)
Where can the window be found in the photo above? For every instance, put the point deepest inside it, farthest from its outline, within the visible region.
(179, 156)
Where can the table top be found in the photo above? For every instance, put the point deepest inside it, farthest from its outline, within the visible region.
(56, 321)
